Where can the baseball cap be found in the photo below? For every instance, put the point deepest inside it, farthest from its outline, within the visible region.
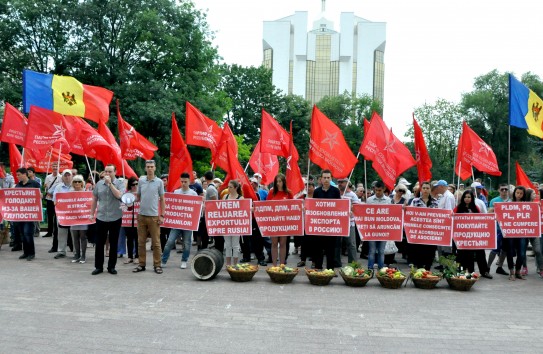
(404, 182)
(442, 183)
(254, 180)
(68, 171)
(476, 185)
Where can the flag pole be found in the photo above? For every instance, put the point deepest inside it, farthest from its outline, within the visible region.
(23, 158)
(351, 174)
(246, 167)
(365, 181)
(49, 162)
(509, 156)
(91, 173)
(122, 163)
(59, 153)
(308, 167)
(458, 185)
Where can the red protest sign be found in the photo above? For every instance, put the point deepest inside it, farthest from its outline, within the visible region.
(73, 208)
(229, 217)
(280, 217)
(327, 217)
(379, 222)
(474, 231)
(428, 226)
(518, 219)
(131, 214)
(182, 211)
(21, 204)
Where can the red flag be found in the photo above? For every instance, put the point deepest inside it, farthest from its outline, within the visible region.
(133, 144)
(366, 126)
(264, 163)
(522, 178)
(473, 151)
(235, 171)
(389, 155)
(72, 126)
(2, 171)
(45, 129)
(180, 160)
(52, 155)
(115, 158)
(424, 163)
(92, 144)
(295, 181)
(273, 138)
(328, 148)
(15, 160)
(228, 141)
(13, 126)
(200, 130)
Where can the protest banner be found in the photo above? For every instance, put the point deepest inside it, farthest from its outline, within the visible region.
(182, 211)
(327, 217)
(131, 214)
(428, 226)
(73, 208)
(518, 219)
(228, 217)
(474, 231)
(379, 222)
(279, 217)
(21, 204)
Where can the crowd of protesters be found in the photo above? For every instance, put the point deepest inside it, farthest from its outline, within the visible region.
(111, 240)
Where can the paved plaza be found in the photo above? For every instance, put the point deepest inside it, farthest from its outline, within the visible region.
(54, 306)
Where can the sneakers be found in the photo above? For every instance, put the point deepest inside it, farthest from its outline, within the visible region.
(183, 265)
(60, 255)
(82, 260)
(163, 265)
(541, 274)
(75, 260)
(524, 271)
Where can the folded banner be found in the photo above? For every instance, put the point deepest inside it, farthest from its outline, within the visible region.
(518, 219)
(327, 217)
(73, 208)
(130, 215)
(428, 226)
(65, 95)
(21, 204)
(379, 222)
(280, 217)
(474, 231)
(229, 217)
(182, 211)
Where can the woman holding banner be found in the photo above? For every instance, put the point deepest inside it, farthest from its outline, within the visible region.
(465, 257)
(231, 243)
(79, 232)
(516, 246)
(422, 256)
(279, 191)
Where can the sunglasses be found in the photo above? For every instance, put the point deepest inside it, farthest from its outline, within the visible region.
(401, 191)
(135, 184)
(503, 189)
(77, 182)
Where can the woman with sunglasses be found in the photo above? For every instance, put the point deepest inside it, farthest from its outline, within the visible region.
(79, 232)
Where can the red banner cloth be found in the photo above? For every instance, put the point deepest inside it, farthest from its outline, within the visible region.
(228, 217)
(474, 231)
(200, 130)
(128, 212)
(13, 126)
(280, 217)
(180, 160)
(274, 139)
(73, 208)
(182, 211)
(21, 204)
(379, 222)
(428, 226)
(424, 163)
(327, 217)
(473, 151)
(518, 219)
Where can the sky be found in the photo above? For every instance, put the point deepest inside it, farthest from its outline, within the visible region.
(434, 49)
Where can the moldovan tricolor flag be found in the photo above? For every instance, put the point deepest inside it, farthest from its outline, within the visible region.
(180, 160)
(389, 155)
(133, 144)
(264, 163)
(200, 130)
(327, 146)
(473, 151)
(525, 108)
(424, 163)
(65, 95)
(13, 126)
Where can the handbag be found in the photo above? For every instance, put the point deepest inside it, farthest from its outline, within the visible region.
(390, 247)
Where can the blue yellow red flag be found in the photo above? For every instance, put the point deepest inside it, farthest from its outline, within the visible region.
(525, 108)
(65, 95)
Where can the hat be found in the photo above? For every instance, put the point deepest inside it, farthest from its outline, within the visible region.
(68, 171)
(476, 185)
(404, 182)
(257, 175)
(442, 183)
(78, 178)
(217, 180)
(342, 180)
(254, 180)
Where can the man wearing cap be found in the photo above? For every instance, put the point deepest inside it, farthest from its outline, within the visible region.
(480, 200)
(107, 197)
(64, 186)
(447, 200)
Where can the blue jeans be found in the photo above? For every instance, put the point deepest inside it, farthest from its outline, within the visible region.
(380, 246)
(26, 230)
(174, 234)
